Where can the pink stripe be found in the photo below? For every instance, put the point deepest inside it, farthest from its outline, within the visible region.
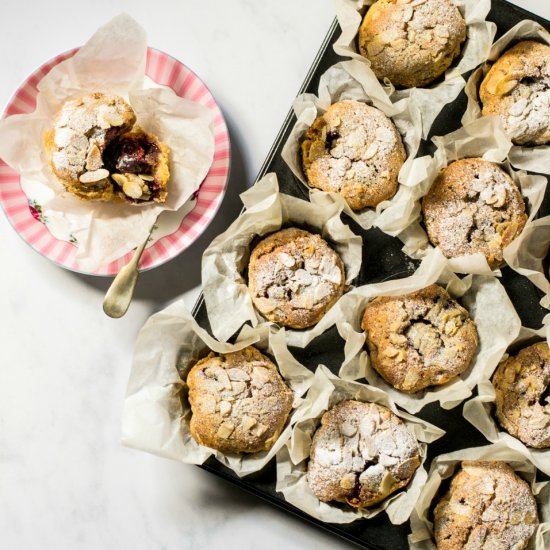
(173, 76)
(199, 94)
(34, 236)
(26, 98)
(186, 83)
(160, 68)
(64, 254)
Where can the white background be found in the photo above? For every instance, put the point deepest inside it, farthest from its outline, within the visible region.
(65, 480)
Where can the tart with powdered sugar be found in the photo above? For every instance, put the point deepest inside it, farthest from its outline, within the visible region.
(517, 89)
(522, 389)
(239, 401)
(474, 207)
(360, 454)
(294, 278)
(420, 339)
(411, 42)
(97, 154)
(355, 150)
(487, 506)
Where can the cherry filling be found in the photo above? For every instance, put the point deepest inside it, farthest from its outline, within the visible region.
(331, 138)
(132, 155)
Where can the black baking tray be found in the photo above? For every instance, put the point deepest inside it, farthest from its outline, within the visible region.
(382, 260)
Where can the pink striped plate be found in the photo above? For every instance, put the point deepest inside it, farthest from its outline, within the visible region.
(26, 218)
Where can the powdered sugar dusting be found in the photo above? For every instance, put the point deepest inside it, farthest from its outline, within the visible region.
(488, 506)
(474, 206)
(411, 42)
(294, 277)
(361, 453)
(354, 149)
(517, 88)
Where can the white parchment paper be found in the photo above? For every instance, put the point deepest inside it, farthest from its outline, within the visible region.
(431, 100)
(444, 466)
(326, 391)
(354, 80)
(483, 296)
(480, 411)
(113, 62)
(156, 410)
(484, 138)
(266, 210)
(534, 159)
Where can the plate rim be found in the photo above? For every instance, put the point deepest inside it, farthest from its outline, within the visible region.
(198, 232)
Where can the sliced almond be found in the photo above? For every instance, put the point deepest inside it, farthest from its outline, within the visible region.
(93, 159)
(94, 175)
(146, 177)
(133, 186)
(225, 430)
(260, 430)
(225, 407)
(248, 422)
(287, 260)
(375, 47)
(371, 151)
(348, 481)
(113, 118)
(506, 87)
(441, 31)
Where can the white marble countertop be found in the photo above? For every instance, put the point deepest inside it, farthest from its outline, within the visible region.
(65, 480)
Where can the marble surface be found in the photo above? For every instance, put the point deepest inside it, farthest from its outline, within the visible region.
(65, 480)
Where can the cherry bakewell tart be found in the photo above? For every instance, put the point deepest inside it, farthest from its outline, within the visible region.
(98, 154)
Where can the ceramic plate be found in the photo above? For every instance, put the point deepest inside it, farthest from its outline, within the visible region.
(175, 231)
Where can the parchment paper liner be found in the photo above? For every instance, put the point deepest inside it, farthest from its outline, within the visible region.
(431, 100)
(533, 159)
(485, 138)
(266, 210)
(445, 465)
(480, 410)
(113, 62)
(326, 391)
(483, 296)
(156, 411)
(354, 80)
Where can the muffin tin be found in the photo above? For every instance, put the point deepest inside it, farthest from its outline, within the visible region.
(382, 260)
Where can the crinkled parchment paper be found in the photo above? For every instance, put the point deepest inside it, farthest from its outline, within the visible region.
(483, 296)
(326, 391)
(534, 159)
(444, 466)
(224, 262)
(484, 138)
(480, 410)
(480, 34)
(113, 62)
(156, 411)
(354, 80)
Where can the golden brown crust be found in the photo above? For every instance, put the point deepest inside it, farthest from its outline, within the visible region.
(355, 150)
(92, 137)
(474, 207)
(487, 506)
(517, 89)
(360, 454)
(239, 401)
(294, 278)
(420, 339)
(411, 42)
(522, 385)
